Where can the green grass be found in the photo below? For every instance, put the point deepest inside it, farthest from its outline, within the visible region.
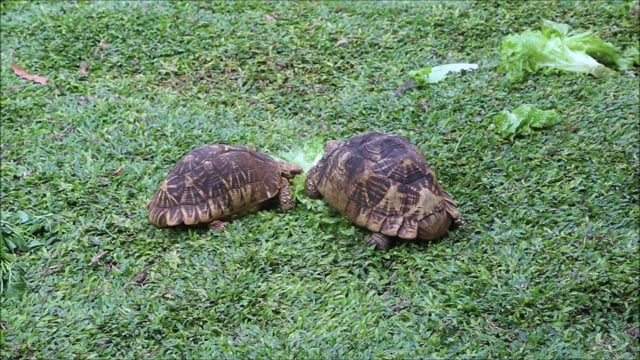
(546, 266)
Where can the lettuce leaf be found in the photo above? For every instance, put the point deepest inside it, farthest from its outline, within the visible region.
(523, 120)
(438, 73)
(555, 47)
(305, 157)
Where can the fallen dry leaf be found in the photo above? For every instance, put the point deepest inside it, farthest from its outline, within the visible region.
(115, 172)
(104, 341)
(343, 41)
(140, 278)
(52, 269)
(84, 68)
(85, 99)
(25, 75)
(59, 136)
(118, 170)
(404, 87)
(423, 105)
(319, 88)
(94, 241)
(571, 127)
(102, 46)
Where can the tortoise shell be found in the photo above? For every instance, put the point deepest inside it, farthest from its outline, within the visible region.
(383, 183)
(220, 182)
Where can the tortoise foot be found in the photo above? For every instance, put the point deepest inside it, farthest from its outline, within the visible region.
(382, 242)
(217, 225)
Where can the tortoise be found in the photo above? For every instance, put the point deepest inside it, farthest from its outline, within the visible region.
(383, 183)
(217, 182)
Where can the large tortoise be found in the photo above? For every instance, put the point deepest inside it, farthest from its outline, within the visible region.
(215, 183)
(383, 183)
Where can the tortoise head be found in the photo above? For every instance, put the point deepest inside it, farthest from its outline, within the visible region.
(311, 183)
(332, 145)
(289, 170)
(314, 174)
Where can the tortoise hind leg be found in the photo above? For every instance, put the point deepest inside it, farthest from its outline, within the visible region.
(382, 242)
(284, 196)
(217, 225)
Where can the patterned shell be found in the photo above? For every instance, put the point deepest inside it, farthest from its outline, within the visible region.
(383, 183)
(214, 182)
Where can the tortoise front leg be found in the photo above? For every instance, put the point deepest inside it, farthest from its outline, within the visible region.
(310, 186)
(382, 242)
(284, 196)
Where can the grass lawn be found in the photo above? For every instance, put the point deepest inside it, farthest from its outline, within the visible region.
(546, 266)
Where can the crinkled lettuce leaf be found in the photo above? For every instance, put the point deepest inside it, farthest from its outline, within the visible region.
(523, 120)
(555, 47)
(306, 156)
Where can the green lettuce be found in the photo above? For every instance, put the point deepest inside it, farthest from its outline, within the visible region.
(305, 156)
(556, 47)
(523, 120)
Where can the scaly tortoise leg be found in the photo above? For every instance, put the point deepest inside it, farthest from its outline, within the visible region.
(382, 242)
(310, 186)
(217, 225)
(285, 197)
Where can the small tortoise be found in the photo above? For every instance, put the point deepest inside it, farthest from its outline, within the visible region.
(383, 183)
(220, 182)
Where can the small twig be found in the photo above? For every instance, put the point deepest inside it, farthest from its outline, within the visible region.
(115, 172)
(97, 257)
